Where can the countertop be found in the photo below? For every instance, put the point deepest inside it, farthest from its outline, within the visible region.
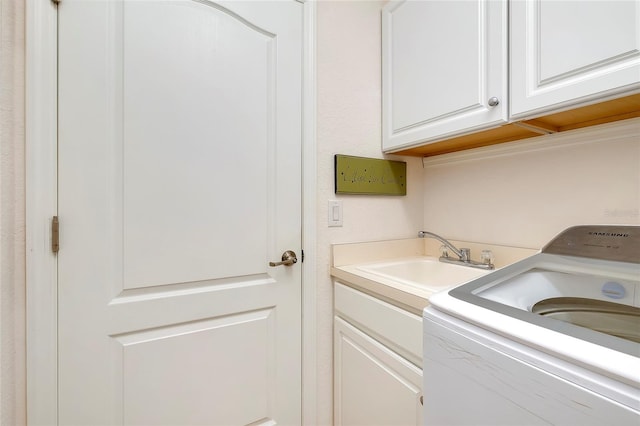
(348, 259)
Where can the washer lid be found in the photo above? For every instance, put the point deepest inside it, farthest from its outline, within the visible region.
(619, 243)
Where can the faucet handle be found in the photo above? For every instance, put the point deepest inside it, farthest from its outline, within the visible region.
(486, 257)
(466, 254)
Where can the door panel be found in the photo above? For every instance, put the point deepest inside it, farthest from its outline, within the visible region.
(168, 143)
(179, 179)
(164, 394)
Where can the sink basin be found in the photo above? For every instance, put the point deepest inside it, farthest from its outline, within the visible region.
(424, 272)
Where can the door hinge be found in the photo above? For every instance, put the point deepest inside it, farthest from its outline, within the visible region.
(302, 256)
(55, 234)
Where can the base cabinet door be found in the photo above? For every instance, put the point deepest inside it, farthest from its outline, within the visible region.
(565, 53)
(373, 385)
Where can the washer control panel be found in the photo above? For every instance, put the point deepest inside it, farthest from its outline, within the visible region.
(618, 243)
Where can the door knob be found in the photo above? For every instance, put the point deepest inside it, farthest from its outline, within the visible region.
(288, 259)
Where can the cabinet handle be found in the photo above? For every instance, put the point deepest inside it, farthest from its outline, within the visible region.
(421, 399)
(493, 101)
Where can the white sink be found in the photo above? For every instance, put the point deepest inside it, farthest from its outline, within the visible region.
(424, 272)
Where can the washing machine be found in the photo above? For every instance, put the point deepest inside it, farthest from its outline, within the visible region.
(553, 339)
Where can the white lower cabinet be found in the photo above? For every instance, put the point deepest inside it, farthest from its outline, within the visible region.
(374, 381)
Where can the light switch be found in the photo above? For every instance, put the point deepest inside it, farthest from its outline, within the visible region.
(335, 213)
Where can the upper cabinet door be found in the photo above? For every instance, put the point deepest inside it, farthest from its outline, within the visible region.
(565, 53)
(444, 69)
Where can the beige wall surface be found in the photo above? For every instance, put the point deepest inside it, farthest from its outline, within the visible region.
(12, 230)
(524, 198)
(349, 122)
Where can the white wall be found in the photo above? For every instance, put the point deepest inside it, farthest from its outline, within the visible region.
(349, 122)
(12, 230)
(525, 198)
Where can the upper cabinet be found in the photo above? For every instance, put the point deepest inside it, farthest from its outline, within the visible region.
(463, 74)
(564, 52)
(444, 69)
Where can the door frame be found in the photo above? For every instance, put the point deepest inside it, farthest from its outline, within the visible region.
(41, 205)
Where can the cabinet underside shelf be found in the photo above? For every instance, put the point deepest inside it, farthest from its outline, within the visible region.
(590, 115)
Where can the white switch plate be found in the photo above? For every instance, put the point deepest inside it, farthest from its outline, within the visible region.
(335, 213)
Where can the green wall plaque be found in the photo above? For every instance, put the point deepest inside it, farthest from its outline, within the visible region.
(359, 175)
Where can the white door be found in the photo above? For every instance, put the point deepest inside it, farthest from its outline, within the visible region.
(179, 180)
(568, 52)
(444, 69)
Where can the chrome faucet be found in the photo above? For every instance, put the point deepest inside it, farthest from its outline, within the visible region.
(464, 254)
